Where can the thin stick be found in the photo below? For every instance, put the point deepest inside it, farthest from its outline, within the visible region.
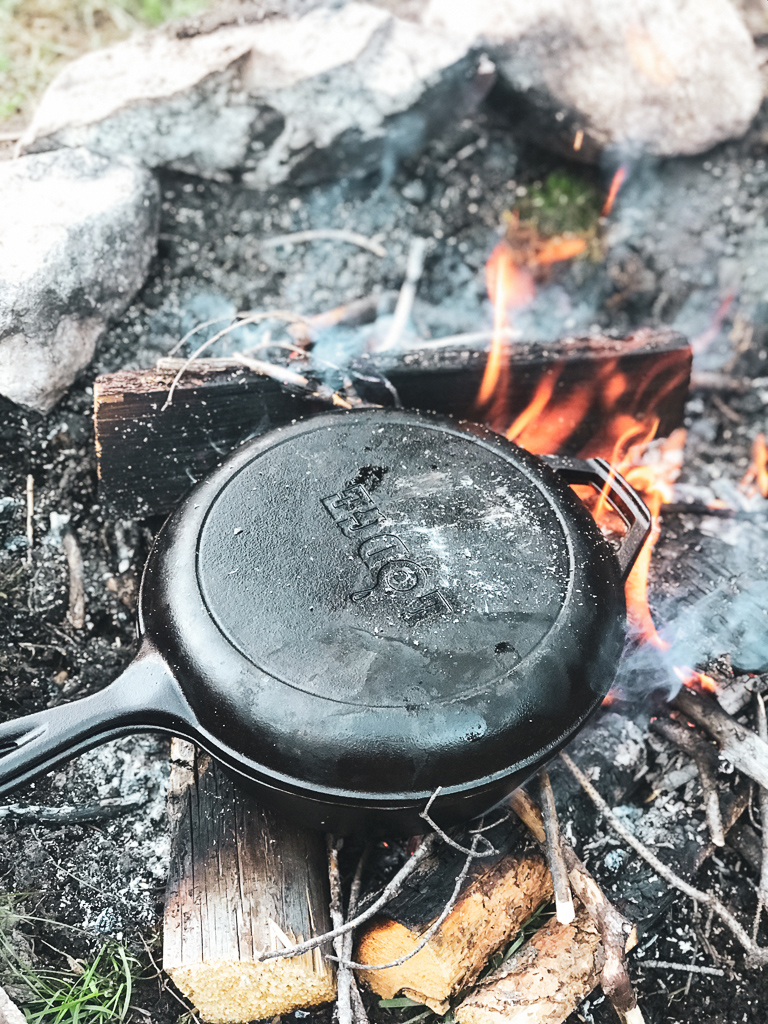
(618, 935)
(292, 379)
(704, 757)
(471, 856)
(757, 954)
(343, 975)
(762, 888)
(76, 612)
(358, 1007)
(68, 815)
(30, 492)
(490, 849)
(407, 296)
(563, 895)
(392, 888)
(327, 234)
(742, 747)
(468, 338)
(241, 320)
(688, 968)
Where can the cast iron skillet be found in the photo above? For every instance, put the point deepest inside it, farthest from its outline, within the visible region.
(362, 607)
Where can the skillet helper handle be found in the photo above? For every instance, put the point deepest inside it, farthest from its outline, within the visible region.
(621, 495)
(144, 698)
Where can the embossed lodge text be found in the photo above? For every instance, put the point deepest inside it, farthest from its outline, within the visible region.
(393, 569)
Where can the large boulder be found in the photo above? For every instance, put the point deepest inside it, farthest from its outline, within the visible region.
(77, 234)
(335, 92)
(667, 77)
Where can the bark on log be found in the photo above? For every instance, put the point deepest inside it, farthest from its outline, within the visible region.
(242, 882)
(149, 457)
(499, 895)
(544, 982)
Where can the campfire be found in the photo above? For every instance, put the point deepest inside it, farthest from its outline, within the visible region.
(409, 391)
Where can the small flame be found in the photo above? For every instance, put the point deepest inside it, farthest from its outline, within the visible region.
(756, 477)
(508, 286)
(698, 681)
(616, 182)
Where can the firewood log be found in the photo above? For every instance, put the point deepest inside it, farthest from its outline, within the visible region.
(500, 893)
(544, 981)
(242, 882)
(149, 455)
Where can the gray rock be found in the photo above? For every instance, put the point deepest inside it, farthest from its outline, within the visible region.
(335, 92)
(668, 77)
(76, 238)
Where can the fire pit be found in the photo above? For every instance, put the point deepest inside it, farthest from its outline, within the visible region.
(468, 273)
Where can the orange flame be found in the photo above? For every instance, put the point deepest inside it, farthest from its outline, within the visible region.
(508, 285)
(616, 182)
(698, 681)
(756, 477)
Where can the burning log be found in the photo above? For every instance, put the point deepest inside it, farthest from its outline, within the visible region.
(499, 895)
(242, 881)
(149, 456)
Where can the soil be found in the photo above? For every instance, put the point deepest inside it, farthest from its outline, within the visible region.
(686, 239)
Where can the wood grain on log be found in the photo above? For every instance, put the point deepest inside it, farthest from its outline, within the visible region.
(242, 881)
(499, 895)
(544, 981)
(149, 457)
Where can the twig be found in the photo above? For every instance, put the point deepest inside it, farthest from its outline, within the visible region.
(471, 856)
(704, 756)
(195, 330)
(288, 377)
(68, 815)
(407, 296)
(76, 613)
(358, 1007)
(742, 747)
(240, 320)
(757, 954)
(468, 338)
(617, 934)
(762, 888)
(563, 896)
(391, 889)
(327, 234)
(343, 975)
(688, 968)
(30, 493)
(490, 849)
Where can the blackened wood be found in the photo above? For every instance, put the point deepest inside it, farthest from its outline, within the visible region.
(242, 881)
(148, 457)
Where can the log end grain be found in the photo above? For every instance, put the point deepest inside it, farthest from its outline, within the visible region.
(236, 992)
(487, 915)
(545, 981)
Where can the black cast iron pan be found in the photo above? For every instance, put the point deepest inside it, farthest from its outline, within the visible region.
(363, 607)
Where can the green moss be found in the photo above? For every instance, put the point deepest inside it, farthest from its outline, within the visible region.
(562, 202)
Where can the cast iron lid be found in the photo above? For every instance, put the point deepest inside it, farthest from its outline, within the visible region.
(382, 603)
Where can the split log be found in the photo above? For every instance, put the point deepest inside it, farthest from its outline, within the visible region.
(148, 456)
(498, 896)
(544, 982)
(242, 881)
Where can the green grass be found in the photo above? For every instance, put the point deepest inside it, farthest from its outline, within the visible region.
(86, 992)
(38, 37)
(562, 202)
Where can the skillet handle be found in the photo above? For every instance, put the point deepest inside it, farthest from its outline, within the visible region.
(144, 698)
(624, 499)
